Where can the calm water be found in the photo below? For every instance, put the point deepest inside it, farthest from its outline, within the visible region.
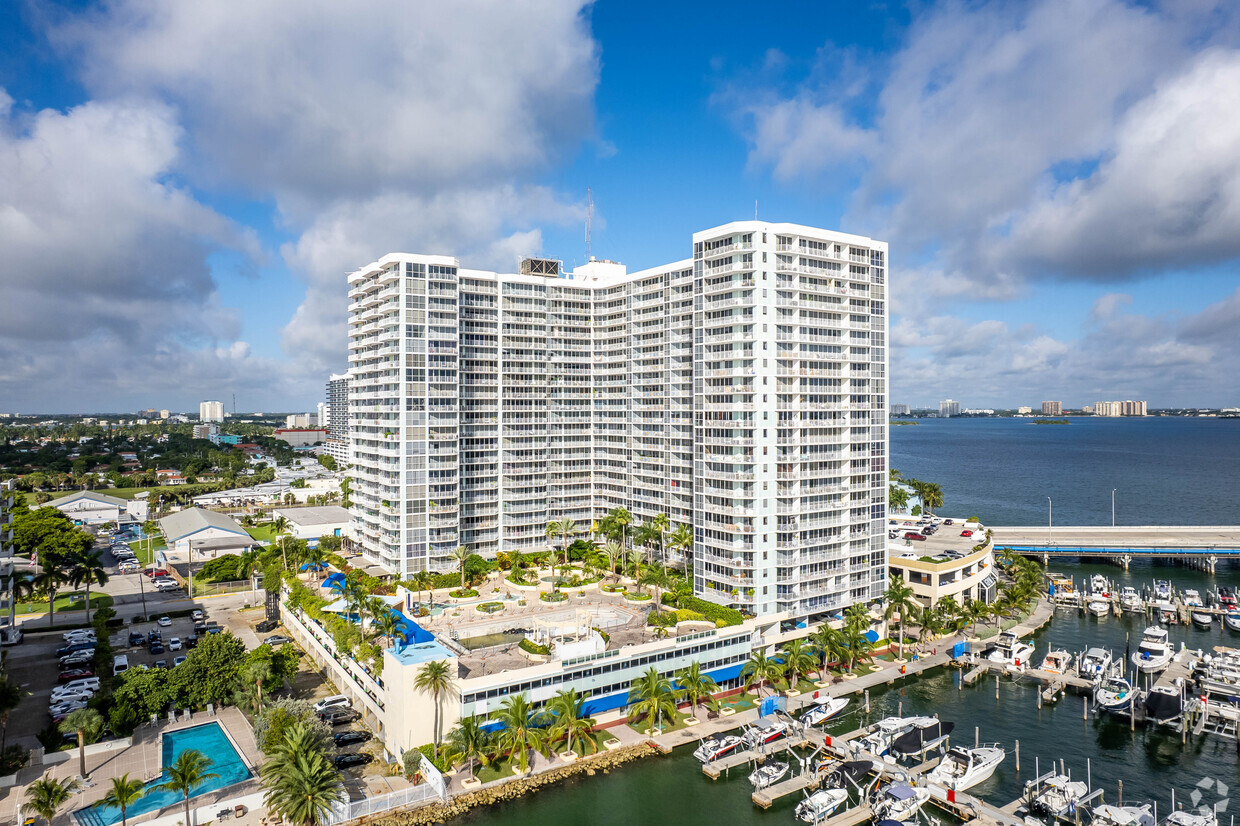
(1166, 471)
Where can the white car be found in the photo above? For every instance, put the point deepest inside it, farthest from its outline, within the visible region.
(60, 696)
(334, 701)
(174, 644)
(127, 568)
(78, 635)
(88, 683)
(196, 616)
(163, 580)
(57, 709)
(164, 622)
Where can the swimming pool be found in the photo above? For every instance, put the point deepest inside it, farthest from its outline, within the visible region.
(208, 739)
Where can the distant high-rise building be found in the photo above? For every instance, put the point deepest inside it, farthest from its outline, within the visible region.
(948, 408)
(1024, 411)
(299, 421)
(338, 418)
(320, 416)
(1088, 410)
(900, 410)
(1124, 408)
(163, 414)
(1052, 408)
(211, 412)
(206, 431)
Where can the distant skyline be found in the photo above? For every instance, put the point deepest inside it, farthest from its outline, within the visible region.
(186, 185)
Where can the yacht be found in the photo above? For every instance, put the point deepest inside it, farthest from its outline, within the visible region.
(1163, 703)
(1122, 815)
(1153, 654)
(1010, 650)
(1167, 614)
(885, 731)
(1201, 619)
(1162, 590)
(1115, 694)
(850, 772)
(768, 774)
(899, 801)
(963, 768)
(921, 738)
(1098, 607)
(1055, 795)
(820, 805)
(1192, 599)
(1095, 664)
(713, 748)
(1183, 818)
(764, 730)
(1057, 662)
(1232, 621)
(1130, 600)
(1098, 585)
(821, 712)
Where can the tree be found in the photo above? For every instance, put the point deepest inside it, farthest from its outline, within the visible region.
(571, 722)
(187, 772)
(900, 600)
(145, 690)
(661, 523)
(315, 559)
(328, 461)
(44, 797)
(10, 697)
(424, 580)
(652, 697)
(828, 643)
(976, 610)
(521, 731)
(460, 554)
(897, 497)
(301, 783)
(637, 558)
(760, 668)
(856, 646)
(211, 671)
(646, 534)
(49, 581)
(279, 716)
(656, 578)
(798, 660)
(253, 674)
(87, 569)
(468, 740)
(87, 723)
(346, 488)
(681, 539)
(613, 552)
(568, 527)
(435, 678)
(123, 794)
(616, 525)
(694, 685)
(387, 625)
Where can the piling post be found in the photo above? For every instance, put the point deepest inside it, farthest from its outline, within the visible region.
(900, 709)
(1018, 757)
(976, 735)
(867, 701)
(1039, 693)
(996, 686)
(1120, 802)
(1089, 776)
(1084, 708)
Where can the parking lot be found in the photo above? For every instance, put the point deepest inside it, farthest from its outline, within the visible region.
(946, 538)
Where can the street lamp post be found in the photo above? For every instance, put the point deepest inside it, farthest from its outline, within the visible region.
(1112, 507)
(1050, 521)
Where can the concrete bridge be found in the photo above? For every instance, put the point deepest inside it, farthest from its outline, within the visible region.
(1198, 545)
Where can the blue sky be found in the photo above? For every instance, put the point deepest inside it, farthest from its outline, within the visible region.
(187, 184)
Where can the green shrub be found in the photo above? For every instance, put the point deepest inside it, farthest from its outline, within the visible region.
(530, 647)
(463, 593)
(722, 616)
(636, 597)
(490, 607)
(553, 596)
(428, 749)
(13, 758)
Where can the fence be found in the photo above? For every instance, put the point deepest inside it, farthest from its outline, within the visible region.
(418, 795)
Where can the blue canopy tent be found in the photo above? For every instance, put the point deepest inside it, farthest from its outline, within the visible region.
(313, 566)
(871, 635)
(334, 581)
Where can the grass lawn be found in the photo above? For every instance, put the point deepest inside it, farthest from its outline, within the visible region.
(130, 493)
(502, 768)
(263, 533)
(140, 547)
(67, 601)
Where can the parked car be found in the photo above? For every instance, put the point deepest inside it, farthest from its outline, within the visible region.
(155, 634)
(177, 661)
(266, 625)
(72, 674)
(196, 615)
(79, 658)
(127, 568)
(966, 533)
(154, 572)
(157, 647)
(164, 621)
(191, 640)
(74, 647)
(174, 644)
(78, 635)
(914, 535)
(277, 639)
(333, 701)
(64, 708)
(167, 586)
(136, 638)
(161, 664)
(90, 683)
(348, 761)
(351, 738)
(339, 716)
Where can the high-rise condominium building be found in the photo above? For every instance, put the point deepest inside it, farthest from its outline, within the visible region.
(741, 391)
(337, 424)
(900, 410)
(1124, 408)
(948, 408)
(1052, 408)
(210, 411)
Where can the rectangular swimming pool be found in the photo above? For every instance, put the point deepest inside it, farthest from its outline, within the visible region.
(208, 739)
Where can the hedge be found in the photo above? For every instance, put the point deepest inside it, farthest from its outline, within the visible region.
(719, 614)
(530, 647)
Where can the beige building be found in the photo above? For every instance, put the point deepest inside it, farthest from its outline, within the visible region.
(1124, 408)
(971, 577)
(1052, 408)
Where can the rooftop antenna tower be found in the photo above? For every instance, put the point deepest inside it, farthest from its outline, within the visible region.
(589, 218)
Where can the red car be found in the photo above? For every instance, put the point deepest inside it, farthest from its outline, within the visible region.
(74, 674)
(156, 572)
(914, 535)
(966, 533)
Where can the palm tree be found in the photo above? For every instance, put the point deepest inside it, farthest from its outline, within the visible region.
(618, 521)
(646, 534)
(571, 722)
(900, 600)
(552, 531)
(87, 723)
(897, 497)
(301, 782)
(694, 685)
(255, 673)
(857, 616)
(424, 579)
(469, 740)
(637, 558)
(856, 645)
(44, 797)
(760, 668)
(49, 581)
(613, 552)
(346, 487)
(798, 659)
(315, 559)
(651, 696)
(280, 525)
(568, 527)
(682, 540)
(123, 794)
(931, 496)
(187, 772)
(657, 578)
(86, 569)
(435, 679)
(387, 625)
(10, 697)
(460, 554)
(662, 523)
(976, 610)
(829, 645)
(521, 732)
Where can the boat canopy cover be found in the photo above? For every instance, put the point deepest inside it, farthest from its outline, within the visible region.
(890, 822)
(912, 742)
(1162, 706)
(901, 791)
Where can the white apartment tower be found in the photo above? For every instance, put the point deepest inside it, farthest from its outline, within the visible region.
(337, 417)
(741, 391)
(210, 411)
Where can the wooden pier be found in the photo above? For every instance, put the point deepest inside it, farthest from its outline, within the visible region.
(765, 798)
(744, 757)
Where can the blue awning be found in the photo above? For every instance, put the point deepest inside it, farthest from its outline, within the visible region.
(411, 632)
(729, 672)
(598, 705)
(334, 581)
(492, 726)
(871, 635)
(313, 566)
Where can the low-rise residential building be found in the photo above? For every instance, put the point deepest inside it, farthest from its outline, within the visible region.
(91, 507)
(952, 565)
(204, 532)
(311, 523)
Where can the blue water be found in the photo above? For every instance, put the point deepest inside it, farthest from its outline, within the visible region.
(1165, 471)
(208, 739)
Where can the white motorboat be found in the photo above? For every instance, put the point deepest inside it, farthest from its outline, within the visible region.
(1098, 607)
(1130, 600)
(1153, 654)
(1057, 662)
(1232, 621)
(1163, 703)
(764, 730)
(768, 773)
(963, 768)
(885, 731)
(899, 801)
(1122, 815)
(1011, 650)
(819, 713)
(1055, 795)
(921, 738)
(713, 748)
(1167, 614)
(1201, 619)
(1115, 694)
(1095, 664)
(1192, 599)
(820, 805)
(1162, 590)
(1183, 818)
(1098, 585)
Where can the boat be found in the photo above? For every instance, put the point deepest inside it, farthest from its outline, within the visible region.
(921, 738)
(1010, 650)
(963, 768)
(1232, 621)
(1162, 590)
(899, 801)
(1192, 599)
(1167, 614)
(1183, 818)
(713, 748)
(1095, 664)
(851, 772)
(1153, 654)
(1163, 703)
(1105, 815)
(878, 741)
(1115, 694)
(820, 805)
(1057, 662)
(768, 774)
(1130, 600)
(764, 730)
(1056, 795)
(1227, 597)
(1098, 585)
(1098, 607)
(821, 712)
(1201, 619)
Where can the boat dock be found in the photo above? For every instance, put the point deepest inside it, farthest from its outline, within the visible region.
(765, 798)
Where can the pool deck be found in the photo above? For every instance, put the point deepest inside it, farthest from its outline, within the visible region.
(142, 762)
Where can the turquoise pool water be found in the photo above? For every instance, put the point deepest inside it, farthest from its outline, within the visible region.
(208, 739)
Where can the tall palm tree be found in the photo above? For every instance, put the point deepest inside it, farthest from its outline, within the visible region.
(123, 794)
(976, 610)
(44, 797)
(568, 527)
(552, 531)
(280, 525)
(346, 488)
(301, 783)
(857, 616)
(931, 496)
(435, 679)
(897, 497)
(900, 600)
(255, 673)
(469, 741)
(187, 772)
(828, 644)
(647, 535)
(656, 577)
(387, 625)
(460, 554)
(87, 724)
(682, 540)
(424, 579)
(694, 685)
(571, 722)
(856, 646)
(49, 581)
(651, 696)
(798, 659)
(521, 732)
(87, 569)
(613, 552)
(10, 697)
(661, 523)
(760, 668)
(619, 520)
(315, 559)
(637, 558)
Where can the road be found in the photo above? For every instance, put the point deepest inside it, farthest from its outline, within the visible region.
(1121, 537)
